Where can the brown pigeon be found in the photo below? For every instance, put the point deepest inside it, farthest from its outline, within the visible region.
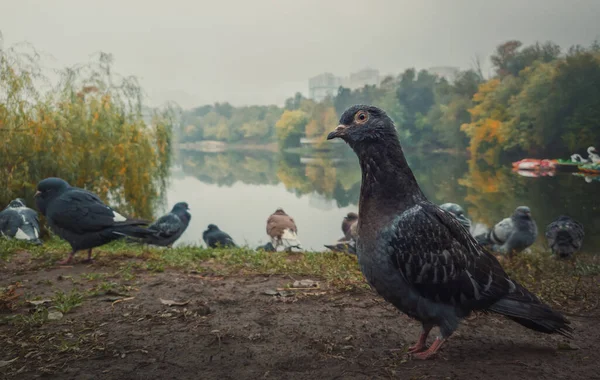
(349, 220)
(283, 231)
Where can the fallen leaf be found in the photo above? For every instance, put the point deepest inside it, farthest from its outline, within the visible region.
(40, 302)
(54, 315)
(174, 303)
(305, 284)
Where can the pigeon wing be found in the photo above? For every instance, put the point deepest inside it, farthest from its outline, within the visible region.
(167, 225)
(80, 211)
(443, 262)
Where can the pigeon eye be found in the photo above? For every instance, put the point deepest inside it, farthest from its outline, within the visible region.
(361, 117)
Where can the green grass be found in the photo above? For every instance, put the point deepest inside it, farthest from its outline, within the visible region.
(558, 282)
(65, 302)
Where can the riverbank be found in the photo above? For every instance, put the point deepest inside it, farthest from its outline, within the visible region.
(189, 312)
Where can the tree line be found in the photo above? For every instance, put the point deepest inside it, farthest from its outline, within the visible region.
(540, 101)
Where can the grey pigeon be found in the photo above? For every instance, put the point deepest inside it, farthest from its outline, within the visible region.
(169, 227)
(458, 213)
(20, 222)
(565, 236)
(282, 230)
(417, 256)
(514, 234)
(347, 243)
(81, 218)
(214, 237)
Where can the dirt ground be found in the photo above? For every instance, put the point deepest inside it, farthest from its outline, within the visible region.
(231, 329)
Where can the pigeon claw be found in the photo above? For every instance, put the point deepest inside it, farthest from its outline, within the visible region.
(431, 351)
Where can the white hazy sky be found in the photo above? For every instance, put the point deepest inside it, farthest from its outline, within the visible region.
(262, 51)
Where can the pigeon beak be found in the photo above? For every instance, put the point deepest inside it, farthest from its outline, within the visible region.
(339, 131)
(37, 193)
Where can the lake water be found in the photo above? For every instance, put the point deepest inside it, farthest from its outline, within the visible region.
(239, 190)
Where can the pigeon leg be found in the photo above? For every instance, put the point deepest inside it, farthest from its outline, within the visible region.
(89, 258)
(68, 259)
(432, 350)
(420, 345)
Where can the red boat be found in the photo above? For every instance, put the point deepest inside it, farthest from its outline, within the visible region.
(535, 164)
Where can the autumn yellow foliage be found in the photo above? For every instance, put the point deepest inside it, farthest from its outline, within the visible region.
(88, 129)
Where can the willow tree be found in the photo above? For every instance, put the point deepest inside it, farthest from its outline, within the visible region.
(88, 128)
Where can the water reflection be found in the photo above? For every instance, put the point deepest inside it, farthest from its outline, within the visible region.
(239, 190)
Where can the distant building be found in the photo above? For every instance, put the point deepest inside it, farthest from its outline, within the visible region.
(327, 84)
(322, 86)
(447, 72)
(362, 78)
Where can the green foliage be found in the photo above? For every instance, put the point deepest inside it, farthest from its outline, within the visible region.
(290, 128)
(88, 129)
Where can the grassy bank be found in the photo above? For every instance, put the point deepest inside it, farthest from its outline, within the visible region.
(569, 285)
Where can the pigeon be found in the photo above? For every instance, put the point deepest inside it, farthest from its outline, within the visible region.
(283, 231)
(168, 228)
(565, 236)
(416, 255)
(349, 220)
(81, 218)
(512, 235)
(267, 247)
(20, 222)
(215, 238)
(347, 243)
(458, 213)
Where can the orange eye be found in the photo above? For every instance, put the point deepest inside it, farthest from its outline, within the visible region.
(361, 117)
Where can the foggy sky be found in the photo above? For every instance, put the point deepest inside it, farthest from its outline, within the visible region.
(262, 51)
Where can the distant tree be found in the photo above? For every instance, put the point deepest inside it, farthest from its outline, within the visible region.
(290, 128)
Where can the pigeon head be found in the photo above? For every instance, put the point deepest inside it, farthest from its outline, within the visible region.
(453, 208)
(181, 206)
(364, 124)
(212, 227)
(279, 211)
(591, 149)
(351, 216)
(48, 189)
(16, 203)
(522, 212)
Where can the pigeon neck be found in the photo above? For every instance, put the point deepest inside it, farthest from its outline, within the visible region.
(387, 181)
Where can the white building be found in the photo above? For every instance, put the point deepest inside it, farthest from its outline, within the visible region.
(327, 84)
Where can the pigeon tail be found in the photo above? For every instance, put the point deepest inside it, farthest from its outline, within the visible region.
(526, 309)
(132, 229)
(288, 240)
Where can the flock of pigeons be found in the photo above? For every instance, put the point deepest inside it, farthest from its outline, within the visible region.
(427, 260)
(85, 222)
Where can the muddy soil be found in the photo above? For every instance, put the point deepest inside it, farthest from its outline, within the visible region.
(228, 328)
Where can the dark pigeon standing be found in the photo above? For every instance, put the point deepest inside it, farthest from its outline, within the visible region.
(20, 222)
(512, 235)
(81, 218)
(458, 213)
(214, 237)
(417, 256)
(168, 228)
(565, 236)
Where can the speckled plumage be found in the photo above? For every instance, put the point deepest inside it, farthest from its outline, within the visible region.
(20, 222)
(514, 234)
(417, 256)
(565, 236)
(167, 229)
